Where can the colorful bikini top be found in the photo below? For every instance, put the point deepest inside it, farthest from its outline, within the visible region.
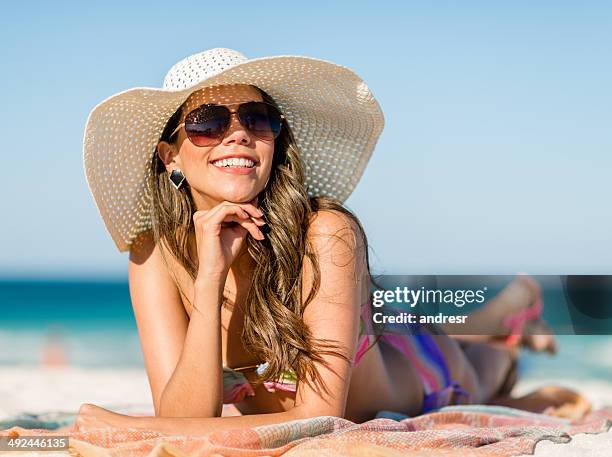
(236, 386)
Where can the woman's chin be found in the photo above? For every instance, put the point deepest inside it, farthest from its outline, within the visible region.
(237, 197)
(222, 192)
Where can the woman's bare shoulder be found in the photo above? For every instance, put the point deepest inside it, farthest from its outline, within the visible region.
(151, 268)
(146, 258)
(145, 248)
(326, 225)
(338, 242)
(330, 219)
(142, 247)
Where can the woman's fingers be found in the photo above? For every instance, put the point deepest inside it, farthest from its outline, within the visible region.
(248, 208)
(247, 224)
(253, 229)
(214, 219)
(245, 219)
(259, 221)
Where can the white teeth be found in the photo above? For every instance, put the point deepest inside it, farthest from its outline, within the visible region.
(234, 162)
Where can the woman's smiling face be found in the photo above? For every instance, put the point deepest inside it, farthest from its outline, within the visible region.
(210, 182)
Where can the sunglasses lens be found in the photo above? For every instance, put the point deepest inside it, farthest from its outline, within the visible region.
(206, 124)
(261, 119)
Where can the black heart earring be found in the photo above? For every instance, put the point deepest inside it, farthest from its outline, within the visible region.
(177, 178)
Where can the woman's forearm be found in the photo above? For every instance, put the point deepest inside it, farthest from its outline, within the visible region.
(203, 426)
(195, 388)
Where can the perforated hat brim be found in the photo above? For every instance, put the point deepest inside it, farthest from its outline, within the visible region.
(335, 119)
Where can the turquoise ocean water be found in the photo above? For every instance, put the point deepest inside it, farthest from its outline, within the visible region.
(93, 324)
(92, 321)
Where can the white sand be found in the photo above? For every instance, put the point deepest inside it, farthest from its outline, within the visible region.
(35, 390)
(583, 444)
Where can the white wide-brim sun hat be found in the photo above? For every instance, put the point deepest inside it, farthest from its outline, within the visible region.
(335, 119)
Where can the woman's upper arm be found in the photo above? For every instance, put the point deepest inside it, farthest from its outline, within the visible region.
(161, 318)
(335, 310)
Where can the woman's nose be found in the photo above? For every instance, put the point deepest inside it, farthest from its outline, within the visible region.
(236, 132)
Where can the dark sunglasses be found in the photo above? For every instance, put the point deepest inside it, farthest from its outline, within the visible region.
(207, 124)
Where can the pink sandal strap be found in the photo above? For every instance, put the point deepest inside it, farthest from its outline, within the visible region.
(516, 322)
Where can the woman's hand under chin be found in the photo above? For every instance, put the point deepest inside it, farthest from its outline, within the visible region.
(220, 233)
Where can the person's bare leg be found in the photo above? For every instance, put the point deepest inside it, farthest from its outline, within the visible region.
(519, 294)
(497, 373)
(552, 400)
(492, 367)
(486, 323)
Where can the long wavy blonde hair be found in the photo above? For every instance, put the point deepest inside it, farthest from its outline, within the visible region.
(274, 329)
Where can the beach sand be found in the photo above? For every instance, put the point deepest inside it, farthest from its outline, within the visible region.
(584, 445)
(36, 390)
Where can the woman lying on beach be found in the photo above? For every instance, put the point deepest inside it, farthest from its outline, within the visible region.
(249, 279)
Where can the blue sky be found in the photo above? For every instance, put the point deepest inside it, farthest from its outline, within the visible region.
(495, 158)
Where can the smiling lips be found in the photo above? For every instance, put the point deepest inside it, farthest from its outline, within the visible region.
(234, 162)
(239, 165)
